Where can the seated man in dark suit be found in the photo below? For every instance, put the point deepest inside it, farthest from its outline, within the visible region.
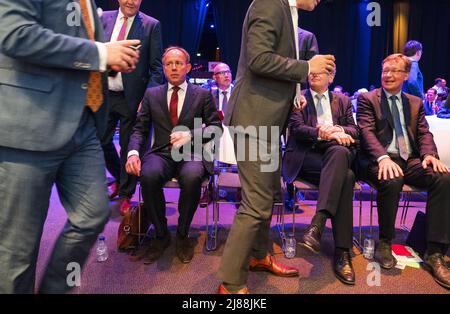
(398, 148)
(166, 109)
(431, 104)
(319, 150)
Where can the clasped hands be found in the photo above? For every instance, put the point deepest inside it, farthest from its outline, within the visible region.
(331, 132)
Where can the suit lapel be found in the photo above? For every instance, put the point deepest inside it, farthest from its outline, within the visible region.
(385, 110)
(135, 27)
(287, 11)
(311, 109)
(334, 107)
(162, 100)
(110, 25)
(188, 99)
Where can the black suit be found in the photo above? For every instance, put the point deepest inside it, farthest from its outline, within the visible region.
(307, 44)
(376, 126)
(159, 167)
(323, 163)
(124, 104)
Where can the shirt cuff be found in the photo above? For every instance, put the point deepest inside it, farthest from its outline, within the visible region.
(132, 153)
(382, 157)
(103, 56)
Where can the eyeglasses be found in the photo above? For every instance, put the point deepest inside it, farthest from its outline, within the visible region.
(393, 71)
(223, 72)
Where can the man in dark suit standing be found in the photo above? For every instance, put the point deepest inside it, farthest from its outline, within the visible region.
(398, 149)
(52, 83)
(414, 84)
(266, 90)
(307, 44)
(319, 150)
(127, 90)
(176, 112)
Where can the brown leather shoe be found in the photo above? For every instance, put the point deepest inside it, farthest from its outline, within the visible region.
(269, 264)
(437, 266)
(223, 290)
(113, 190)
(125, 206)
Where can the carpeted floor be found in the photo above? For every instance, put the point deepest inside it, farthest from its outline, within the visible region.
(120, 275)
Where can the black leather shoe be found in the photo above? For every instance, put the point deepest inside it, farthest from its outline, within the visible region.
(438, 268)
(184, 249)
(156, 249)
(343, 268)
(311, 238)
(383, 255)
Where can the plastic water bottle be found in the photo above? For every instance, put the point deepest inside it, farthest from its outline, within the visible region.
(369, 247)
(290, 246)
(102, 249)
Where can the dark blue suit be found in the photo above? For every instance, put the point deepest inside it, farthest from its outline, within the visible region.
(47, 137)
(124, 105)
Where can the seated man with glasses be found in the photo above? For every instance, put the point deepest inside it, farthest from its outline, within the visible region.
(398, 148)
(320, 150)
(179, 115)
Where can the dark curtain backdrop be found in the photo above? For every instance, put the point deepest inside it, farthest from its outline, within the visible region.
(181, 20)
(229, 16)
(429, 23)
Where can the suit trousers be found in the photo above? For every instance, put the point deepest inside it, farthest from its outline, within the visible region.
(250, 232)
(119, 112)
(331, 171)
(438, 199)
(26, 181)
(157, 169)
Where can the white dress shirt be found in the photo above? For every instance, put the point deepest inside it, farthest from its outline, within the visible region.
(115, 83)
(326, 118)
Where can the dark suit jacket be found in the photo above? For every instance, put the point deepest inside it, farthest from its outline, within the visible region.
(307, 44)
(154, 115)
(148, 71)
(376, 125)
(303, 132)
(45, 65)
(268, 70)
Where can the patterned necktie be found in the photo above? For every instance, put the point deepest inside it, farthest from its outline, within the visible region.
(94, 94)
(123, 30)
(224, 101)
(174, 105)
(401, 143)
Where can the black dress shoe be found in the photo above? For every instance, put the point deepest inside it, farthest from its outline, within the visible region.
(156, 249)
(184, 249)
(438, 268)
(311, 238)
(343, 268)
(383, 255)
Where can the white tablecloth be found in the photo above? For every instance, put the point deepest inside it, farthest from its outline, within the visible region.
(441, 132)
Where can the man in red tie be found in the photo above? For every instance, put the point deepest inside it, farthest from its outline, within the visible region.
(127, 90)
(181, 115)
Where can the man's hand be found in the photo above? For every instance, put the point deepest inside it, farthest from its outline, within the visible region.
(178, 139)
(438, 166)
(342, 138)
(122, 58)
(322, 63)
(326, 130)
(388, 170)
(300, 103)
(133, 165)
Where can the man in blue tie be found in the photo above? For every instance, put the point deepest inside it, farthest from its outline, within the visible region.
(397, 147)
